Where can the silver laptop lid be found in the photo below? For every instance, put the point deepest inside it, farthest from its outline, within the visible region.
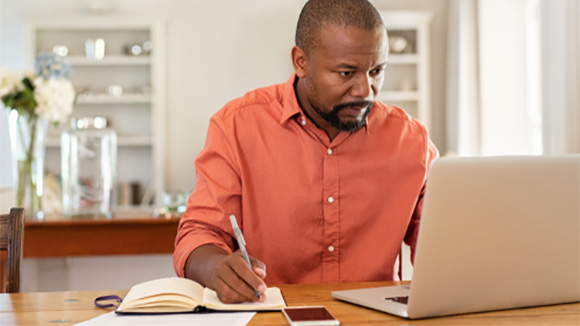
(498, 233)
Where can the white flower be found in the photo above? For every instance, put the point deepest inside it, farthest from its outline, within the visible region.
(10, 82)
(28, 73)
(55, 98)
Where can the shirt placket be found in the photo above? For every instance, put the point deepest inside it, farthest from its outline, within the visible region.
(330, 201)
(331, 211)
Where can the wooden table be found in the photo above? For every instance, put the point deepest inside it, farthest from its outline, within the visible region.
(68, 308)
(129, 233)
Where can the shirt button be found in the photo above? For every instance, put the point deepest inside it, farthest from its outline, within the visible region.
(331, 248)
(329, 151)
(303, 121)
(330, 199)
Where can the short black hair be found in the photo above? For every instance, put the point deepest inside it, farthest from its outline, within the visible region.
(347, 13)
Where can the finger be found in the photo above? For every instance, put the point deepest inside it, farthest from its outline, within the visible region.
(259, 267)
(263, 297)
(234, 288)
(260, 272)
(230, 278)
(240, 267)
(227, 294)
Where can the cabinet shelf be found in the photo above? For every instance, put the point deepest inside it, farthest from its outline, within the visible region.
(122, 141)
(116, 60)
(111, 99)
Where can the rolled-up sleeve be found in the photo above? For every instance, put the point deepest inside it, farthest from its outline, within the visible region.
(216, 196)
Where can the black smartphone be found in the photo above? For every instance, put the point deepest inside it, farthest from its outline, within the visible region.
(309, 316)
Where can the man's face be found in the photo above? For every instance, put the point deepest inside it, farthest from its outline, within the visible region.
(342, 76)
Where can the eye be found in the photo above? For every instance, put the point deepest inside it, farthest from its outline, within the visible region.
(345, 73)
(377, 71)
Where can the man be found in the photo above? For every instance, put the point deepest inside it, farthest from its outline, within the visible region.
(324, 181)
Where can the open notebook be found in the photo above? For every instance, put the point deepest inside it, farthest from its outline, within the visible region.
(175, 294)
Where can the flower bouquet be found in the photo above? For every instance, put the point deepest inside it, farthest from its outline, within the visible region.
(35, 99)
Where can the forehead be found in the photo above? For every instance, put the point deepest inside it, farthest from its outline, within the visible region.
(340, 43)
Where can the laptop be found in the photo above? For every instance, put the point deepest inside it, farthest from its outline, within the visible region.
(496, 233)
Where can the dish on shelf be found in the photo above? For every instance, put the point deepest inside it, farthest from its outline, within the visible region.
(397, 44)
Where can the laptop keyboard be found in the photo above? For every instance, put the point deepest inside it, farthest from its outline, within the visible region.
(402, 300)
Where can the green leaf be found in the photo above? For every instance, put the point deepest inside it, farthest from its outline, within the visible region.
(28, 84)
(8, 101)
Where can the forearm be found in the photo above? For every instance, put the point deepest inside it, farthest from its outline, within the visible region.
(202, 262)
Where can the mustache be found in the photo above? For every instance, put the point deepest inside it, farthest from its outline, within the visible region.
(356, 104)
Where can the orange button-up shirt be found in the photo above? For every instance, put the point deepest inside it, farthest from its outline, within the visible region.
(311, 209)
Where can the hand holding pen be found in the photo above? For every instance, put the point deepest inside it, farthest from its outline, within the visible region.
(250, 275)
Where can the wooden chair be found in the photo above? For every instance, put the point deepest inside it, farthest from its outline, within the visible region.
(11, 238)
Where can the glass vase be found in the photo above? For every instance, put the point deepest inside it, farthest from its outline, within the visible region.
(28, 144)
(89, 168)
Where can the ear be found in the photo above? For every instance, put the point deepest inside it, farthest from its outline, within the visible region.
(299, 61)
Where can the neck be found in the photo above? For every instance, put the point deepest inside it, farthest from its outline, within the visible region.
(299, 89)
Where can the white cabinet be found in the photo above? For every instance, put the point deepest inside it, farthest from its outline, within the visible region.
(406, 82)
(127, 89)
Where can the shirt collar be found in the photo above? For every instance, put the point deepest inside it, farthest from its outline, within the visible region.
(291, 107)
(289, 101)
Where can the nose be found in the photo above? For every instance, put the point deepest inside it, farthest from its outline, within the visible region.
(362, 87)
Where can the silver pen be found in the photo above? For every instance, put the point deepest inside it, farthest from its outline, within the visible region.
(242, 244)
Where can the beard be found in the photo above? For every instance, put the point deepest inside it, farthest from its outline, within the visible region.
(334, 120)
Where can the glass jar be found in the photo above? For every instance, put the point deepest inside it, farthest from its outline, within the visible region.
(89, 167)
